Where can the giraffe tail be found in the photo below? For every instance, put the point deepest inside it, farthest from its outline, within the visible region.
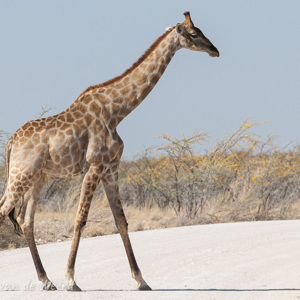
(11, 215)
(7, 157)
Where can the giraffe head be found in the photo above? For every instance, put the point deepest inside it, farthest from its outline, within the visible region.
(191, 37)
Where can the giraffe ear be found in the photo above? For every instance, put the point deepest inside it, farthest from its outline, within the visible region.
(179, 28)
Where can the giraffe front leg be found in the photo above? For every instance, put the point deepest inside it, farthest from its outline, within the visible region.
(110, 183)
(89, 185)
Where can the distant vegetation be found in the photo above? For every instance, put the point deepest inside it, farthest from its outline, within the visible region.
(242, 178)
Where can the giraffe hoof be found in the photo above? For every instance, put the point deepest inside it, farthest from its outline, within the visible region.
(73, 288)
(49, 286)
(144, 287)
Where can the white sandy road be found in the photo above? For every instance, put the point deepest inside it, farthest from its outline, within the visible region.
(259, 260)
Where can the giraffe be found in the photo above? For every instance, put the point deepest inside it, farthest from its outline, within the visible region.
(83, 140)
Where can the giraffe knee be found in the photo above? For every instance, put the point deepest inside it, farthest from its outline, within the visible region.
(122, 225)
(80, 226)
(27, 228)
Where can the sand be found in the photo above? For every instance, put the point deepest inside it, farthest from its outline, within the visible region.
(257, 260)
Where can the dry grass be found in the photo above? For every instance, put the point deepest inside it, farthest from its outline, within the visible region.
(58, 226)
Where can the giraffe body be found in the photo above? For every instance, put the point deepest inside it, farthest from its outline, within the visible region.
(83, 140)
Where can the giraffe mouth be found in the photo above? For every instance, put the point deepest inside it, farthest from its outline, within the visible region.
(213, 51)
(214, 54)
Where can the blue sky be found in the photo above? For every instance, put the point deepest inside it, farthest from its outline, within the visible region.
(51, 51)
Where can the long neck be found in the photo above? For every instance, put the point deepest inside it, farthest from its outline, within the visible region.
(127, 91)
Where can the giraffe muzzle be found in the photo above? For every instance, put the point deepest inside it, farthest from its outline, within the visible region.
(213, 51)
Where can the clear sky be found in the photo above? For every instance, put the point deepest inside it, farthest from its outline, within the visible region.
(52, 50)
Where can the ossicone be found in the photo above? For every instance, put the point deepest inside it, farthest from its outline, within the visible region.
(188, 21)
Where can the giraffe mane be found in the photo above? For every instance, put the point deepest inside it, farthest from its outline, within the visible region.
(137, 63)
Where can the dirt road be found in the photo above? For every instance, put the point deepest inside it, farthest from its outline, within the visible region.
(259, 260)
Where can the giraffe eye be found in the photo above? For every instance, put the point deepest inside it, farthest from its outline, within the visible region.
(194, 35)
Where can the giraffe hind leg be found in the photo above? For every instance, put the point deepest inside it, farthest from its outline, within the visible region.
(8, 201)
(26, 180)
(26, 220)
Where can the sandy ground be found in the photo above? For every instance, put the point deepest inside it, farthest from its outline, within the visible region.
(259, 260)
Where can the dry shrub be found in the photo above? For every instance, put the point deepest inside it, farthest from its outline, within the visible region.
(250, 177)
